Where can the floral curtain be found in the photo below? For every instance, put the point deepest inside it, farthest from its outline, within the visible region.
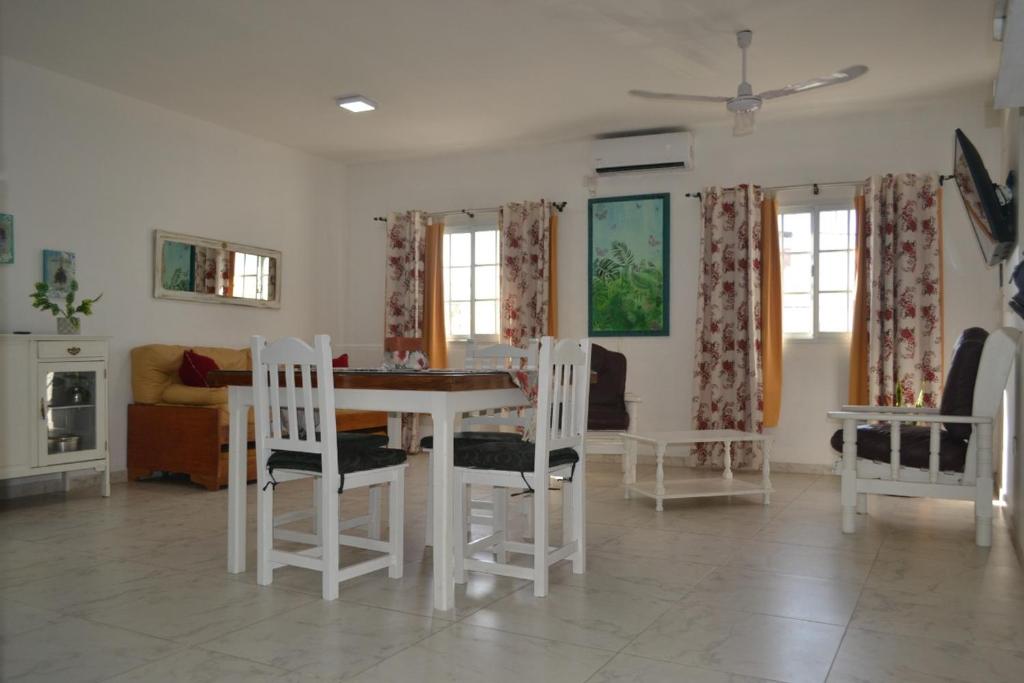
(902, 263)
(728, 382)
(525, 229)
(404, 289)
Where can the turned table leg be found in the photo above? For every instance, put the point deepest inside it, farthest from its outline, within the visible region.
(659, 487)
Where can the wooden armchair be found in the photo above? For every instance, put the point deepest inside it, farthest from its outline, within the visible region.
(933, 453)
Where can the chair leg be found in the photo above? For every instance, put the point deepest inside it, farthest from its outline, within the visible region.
(848, 493)
(430, 500)
(862, 503)
(567, 511)
(499, 499)
(396, 524)
(329, 545)
(264, 529)
(579, 521)
(540, 537)
(316, 506)
(374, 528)
(461, 527)
(983, 489)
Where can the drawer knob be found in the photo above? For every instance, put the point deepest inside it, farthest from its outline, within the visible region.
(74, 350)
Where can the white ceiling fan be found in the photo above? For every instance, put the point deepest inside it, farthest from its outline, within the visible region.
(745, 103)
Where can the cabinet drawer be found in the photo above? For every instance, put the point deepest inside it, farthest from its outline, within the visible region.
(72, 349)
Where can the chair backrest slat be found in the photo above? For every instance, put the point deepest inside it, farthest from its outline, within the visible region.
(286, 415)
(562, 397)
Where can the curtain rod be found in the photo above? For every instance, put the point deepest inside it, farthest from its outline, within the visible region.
(815, 187)
(559, 206)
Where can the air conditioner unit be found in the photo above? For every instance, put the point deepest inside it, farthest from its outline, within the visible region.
(643, 152)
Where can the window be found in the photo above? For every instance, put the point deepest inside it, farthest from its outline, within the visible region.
(251, 276)
(817, 249)
(471, 282)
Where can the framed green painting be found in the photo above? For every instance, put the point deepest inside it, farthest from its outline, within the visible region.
(628, 266)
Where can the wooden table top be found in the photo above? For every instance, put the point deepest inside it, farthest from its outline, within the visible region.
(407, 380)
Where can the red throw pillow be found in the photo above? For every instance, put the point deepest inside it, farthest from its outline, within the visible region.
(194, 368)
(341, 361)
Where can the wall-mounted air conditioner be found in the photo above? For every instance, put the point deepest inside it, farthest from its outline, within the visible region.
(643, 152)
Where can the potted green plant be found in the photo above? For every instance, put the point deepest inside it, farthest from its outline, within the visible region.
(68, 321)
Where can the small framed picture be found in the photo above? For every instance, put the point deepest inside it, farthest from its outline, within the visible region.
(58, 271)
(6, 238)
(629, 266)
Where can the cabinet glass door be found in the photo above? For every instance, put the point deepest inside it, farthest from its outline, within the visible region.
(71, 397)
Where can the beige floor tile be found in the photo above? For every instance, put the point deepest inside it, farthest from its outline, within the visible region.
(327, 639)
(657, 579)
(191, 611)
(823, 532)
(781, 595)
(17, 618)
(883, 657)
(414, 592)
(968, 619)
(741, 643)
(629, 669)
(201, 666)
(77, 650)
(571, 614)
(467, 653)
(967, 572)
(24, 561)
(802, 560)
(669, 545)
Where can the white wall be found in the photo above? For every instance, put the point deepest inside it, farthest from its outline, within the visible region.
(93, 172)
(917, 138)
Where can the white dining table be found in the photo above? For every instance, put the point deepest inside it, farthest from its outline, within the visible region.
(441, 394)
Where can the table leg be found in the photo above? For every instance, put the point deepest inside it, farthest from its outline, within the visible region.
(394, 430)
(441, 478)
(766, 448)
(237, 447)
(659, 487)
(727, 461)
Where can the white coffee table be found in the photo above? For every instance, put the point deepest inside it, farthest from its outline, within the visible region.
(726, 485)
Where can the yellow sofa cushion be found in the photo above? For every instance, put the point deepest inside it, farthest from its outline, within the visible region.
(155, 371)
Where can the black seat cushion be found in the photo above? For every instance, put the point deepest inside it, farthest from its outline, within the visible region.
(607, 405)
(513, 456)
(349, 460)
(958, 394)
(469, 438)
(873, 444)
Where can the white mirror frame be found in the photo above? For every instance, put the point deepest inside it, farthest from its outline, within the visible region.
(161, 236)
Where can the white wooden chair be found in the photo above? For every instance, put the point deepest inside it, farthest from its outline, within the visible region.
(563, 387)
(502, 425)
(944, 476)
(288, 454)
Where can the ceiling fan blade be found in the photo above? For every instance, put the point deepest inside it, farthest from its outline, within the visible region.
(841, 76)
(651, 95)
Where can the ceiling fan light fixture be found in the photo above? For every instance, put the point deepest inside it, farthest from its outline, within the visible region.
(743, 123)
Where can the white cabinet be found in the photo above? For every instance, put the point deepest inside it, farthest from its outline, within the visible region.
(53, 406)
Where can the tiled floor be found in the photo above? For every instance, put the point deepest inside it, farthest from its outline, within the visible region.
(133, 588)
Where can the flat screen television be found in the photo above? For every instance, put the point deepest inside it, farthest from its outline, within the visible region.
(989, 206)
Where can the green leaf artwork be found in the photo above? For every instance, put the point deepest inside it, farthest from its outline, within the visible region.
(629, 266)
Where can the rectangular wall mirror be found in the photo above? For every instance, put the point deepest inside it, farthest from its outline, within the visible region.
(190, 268)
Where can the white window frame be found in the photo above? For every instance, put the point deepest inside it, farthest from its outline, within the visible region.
(478, 226)
(815, 209)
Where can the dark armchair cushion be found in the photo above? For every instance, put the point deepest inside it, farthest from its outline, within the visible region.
(513, 456)
(607, 408)
(958, 394)
(873, 444)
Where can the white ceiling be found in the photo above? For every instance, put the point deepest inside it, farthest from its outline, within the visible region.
(454, 75)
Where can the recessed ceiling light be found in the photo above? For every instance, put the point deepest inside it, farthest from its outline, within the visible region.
(356, 103)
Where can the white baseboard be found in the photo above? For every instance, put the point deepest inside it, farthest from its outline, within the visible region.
(53, 483)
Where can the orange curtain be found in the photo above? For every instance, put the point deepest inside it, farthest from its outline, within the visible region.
(858, 395)
(771, 312)
(434, 341)
(553, 277)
